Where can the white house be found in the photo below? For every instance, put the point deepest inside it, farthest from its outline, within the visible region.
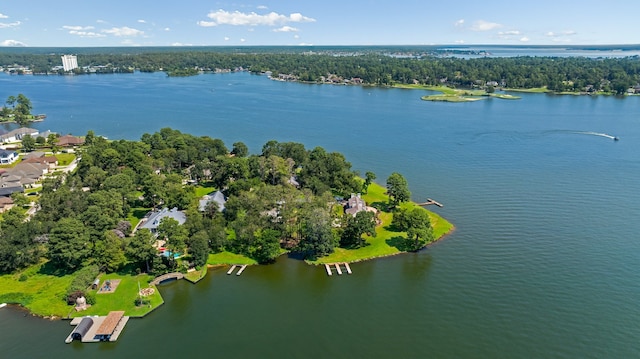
(8, 157)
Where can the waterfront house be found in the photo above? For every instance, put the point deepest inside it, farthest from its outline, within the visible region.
(356, 204)
(8, 157)
(70, 141)
(17, 134)
(154, 218)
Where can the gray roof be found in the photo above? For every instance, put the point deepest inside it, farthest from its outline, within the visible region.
(7, 153)
(7, 191)
(154, 219)
(216, 197)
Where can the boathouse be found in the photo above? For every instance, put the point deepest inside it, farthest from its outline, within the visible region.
(81, 329)
(108, 326)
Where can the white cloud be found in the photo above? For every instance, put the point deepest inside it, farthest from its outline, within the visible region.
(262, 7)
(459, 23)
(226, 38)
(167, 29)
(524, 39)
(12, 43)
(237, 18)
(569, 33)
(509, 33)
(142, 21)
(3, 16)
(304, 44)
(123, 31)
(77, 28)
(242, 40)
(207, 23)
(296, 36)
(101, 21)
(180, 44)
(4, 25)
(482, 25)
(459, 41)
(286, 29)
(556, 35)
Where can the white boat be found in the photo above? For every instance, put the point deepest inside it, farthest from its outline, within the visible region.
(2, 305)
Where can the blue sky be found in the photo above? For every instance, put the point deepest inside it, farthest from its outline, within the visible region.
(315, 22)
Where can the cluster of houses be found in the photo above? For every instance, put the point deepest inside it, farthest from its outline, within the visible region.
(22, 172)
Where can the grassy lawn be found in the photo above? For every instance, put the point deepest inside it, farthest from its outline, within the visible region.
(452, 98)
(124, 296)
(224, 258)
(201, 191)
(38, 291)
(387, 242)
(64, 159)
(196, 275)
(44, 293)
(136, 214)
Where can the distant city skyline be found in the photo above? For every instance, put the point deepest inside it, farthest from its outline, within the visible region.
(329, 22)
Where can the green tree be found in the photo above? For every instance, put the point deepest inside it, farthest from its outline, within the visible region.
(140, 249)
(11, 101)
(109, 252)
(419, 231)
(364, 222)
(69, 244)
(368, 179)
(267, 245)
(240, 149)
(317, 236)
(199, 248)
(28, 143)
(174, 233)
(398, 189)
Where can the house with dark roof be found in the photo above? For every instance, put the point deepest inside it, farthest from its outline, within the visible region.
(155, 218)
(217, 197)
(70, 141)
(8, 157)
(8, 191)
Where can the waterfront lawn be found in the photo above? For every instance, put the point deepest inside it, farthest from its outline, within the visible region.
(226, 258)
(387, 241)
(124, 297)
(34, 288)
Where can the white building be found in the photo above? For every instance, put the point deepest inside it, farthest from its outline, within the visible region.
(69, 62)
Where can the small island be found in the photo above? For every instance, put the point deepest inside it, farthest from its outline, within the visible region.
(130, 214)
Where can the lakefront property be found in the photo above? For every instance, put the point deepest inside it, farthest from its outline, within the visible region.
(226, 204)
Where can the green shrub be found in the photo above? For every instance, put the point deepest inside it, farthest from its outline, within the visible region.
(83, 279)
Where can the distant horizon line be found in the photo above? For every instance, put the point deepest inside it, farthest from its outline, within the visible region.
(353, 45)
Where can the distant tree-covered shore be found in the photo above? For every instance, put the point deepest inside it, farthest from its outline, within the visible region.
(367, 66)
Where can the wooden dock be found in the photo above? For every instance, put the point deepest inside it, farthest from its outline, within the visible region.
(328, 268)
(346, 265)
(241, 269)
(430, 202)
(338, 268)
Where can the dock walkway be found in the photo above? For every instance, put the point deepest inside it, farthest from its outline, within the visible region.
(337, 267)
(241, 269)
(162, 278)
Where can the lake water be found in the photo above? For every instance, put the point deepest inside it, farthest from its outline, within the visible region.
(543, 263)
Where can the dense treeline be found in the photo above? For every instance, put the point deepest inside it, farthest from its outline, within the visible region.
(280, 198)
(614, 75)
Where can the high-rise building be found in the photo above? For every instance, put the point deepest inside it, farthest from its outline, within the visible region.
(69, 62)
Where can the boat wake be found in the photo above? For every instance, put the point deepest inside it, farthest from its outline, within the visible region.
(598, 134)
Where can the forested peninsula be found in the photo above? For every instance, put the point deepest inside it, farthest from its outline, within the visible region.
(359, 66)
(174, 202)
